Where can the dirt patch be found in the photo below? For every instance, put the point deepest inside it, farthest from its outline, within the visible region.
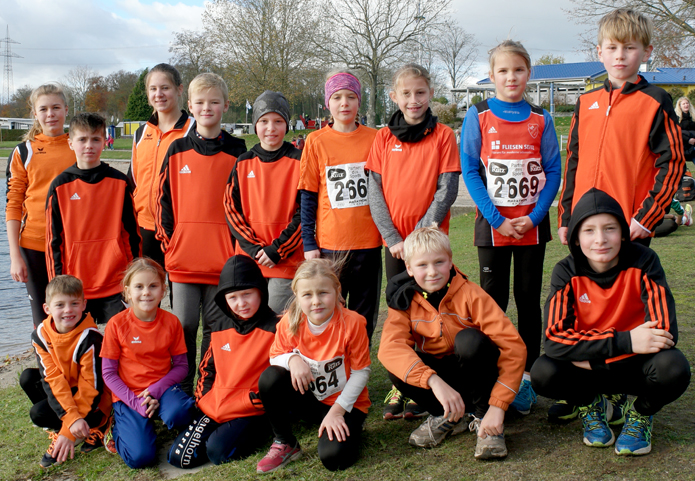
(13, 366)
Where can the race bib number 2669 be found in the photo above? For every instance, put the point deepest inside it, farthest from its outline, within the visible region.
(512, 182)
(347, 185)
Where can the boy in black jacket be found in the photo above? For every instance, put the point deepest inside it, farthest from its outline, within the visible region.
(610, 328)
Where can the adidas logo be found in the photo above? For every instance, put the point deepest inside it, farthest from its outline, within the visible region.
(397, 148)
(185, 170)
(492, 131)
(75, 196)
(585, 299)
(226, 348)
(250, 176)
(594, 106)
(136, 340)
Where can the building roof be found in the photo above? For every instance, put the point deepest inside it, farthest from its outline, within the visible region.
(568, 72)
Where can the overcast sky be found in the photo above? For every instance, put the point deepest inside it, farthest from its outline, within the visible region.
(109, 35)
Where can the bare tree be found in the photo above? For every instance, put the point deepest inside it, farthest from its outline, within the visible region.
(79, 80)
(549, 59)
(373, 35)
(674, 25)
(262, 44)
(457, 50)
(193, 49)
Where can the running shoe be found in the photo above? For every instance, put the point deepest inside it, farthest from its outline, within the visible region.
(395, 404)
(434, 430)
(279, 455)
(489, 447)
(594, 418)
(562, 412)
(525, 398)
(636, 436)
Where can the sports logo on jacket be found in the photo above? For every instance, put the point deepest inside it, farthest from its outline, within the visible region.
(492, 130)
(251, 175)
(75, 196)
(585, 299)
(397, 148)
(594, 106)
(185, 170)
(226, 348)
(533, 130)
(136, 340)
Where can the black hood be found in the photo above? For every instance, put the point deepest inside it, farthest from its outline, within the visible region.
(402, 287)
(594, 202)
(241, 272)
(411, 133)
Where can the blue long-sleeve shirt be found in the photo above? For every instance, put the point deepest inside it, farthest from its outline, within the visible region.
(471, 141)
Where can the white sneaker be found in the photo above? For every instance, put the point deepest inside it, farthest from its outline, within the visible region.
(688, 215)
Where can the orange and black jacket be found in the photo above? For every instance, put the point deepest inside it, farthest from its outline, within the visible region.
(150, 145)
(589, 315)
(31, 168)
(239, 347)
(70, 369)
(190, 220)
(91, 230)
(627, 143)
(262, 207)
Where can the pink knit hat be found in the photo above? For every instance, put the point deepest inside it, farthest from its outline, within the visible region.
(341, 81)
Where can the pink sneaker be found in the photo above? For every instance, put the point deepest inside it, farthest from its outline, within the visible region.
(278, 456)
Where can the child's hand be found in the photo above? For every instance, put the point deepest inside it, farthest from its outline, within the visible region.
(334, 423)
(522, 224)
(582, 365)
(508, 230)
(152, 403)
(301, 374)
(62, 448)
(397, 250)
(80, 429)
(492, 423)
(454, 407)
(562, 234)
(691, 141)
(18, 269)
(647, 340)
(637, 231)
(264, 260)
(315, 254)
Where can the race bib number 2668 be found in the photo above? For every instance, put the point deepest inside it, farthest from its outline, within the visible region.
(347, 185)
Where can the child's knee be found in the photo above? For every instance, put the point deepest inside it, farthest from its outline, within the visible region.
(271, 377)
(176, 407)
(473, 343)
(28, 378)
(672, 369)
(333, 455)
(543, 374)
(140, 458)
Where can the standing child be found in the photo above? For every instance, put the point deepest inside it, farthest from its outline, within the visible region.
(190, 212)
(91, 230)
(610, 328)
(319, 369)
(33, 165)
(335, 210)
(233, 424)
(144, 359)
(67, 390)
(261, 200)
(413, 181)
(150, 145)
(511, 164)
(469, 357)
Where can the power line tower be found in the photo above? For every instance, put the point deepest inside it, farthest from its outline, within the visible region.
(7, 87)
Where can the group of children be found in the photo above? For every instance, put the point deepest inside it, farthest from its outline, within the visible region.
(306, 234)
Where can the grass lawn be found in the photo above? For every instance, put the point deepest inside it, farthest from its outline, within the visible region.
(537, 450)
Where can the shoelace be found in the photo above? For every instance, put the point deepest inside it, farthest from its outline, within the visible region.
(94, 435)
(636, 425)
(527, 393)
(592, 415)
(53, 437)
(393, 396)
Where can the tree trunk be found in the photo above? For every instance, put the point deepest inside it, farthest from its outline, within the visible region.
(371, 111)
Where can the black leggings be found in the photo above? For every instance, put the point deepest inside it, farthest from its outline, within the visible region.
(279, 399)
(656, 379)
(41, 412)
(37, 280)
(471, 370)
(360, 279)
(392, 265)
(495, 264)
(206, 440)
(151, 247)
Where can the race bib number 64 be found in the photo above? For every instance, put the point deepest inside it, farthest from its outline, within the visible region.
(347, 185)
(512, 182)
(329, 376)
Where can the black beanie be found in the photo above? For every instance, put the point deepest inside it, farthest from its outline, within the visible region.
(270, 101)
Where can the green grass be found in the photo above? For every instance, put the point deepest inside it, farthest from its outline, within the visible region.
(537, 450)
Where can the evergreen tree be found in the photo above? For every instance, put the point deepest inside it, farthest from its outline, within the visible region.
(138, 108)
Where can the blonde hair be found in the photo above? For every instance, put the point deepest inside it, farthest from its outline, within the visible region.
(679, 111)
(310, 269)
(139, 265)
(510, 47)
(66, 285)
(426, 239)
(207, 81)
(171, 73)
(410, 70)
(46, 89)
(625, 25)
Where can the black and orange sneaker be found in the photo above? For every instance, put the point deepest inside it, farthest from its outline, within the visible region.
(395, 404)
(48, 460)
(413, 410)
(95, 440)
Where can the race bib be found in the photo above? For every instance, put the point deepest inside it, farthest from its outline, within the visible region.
(347, 185)
(329, 376)
(512, 182)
